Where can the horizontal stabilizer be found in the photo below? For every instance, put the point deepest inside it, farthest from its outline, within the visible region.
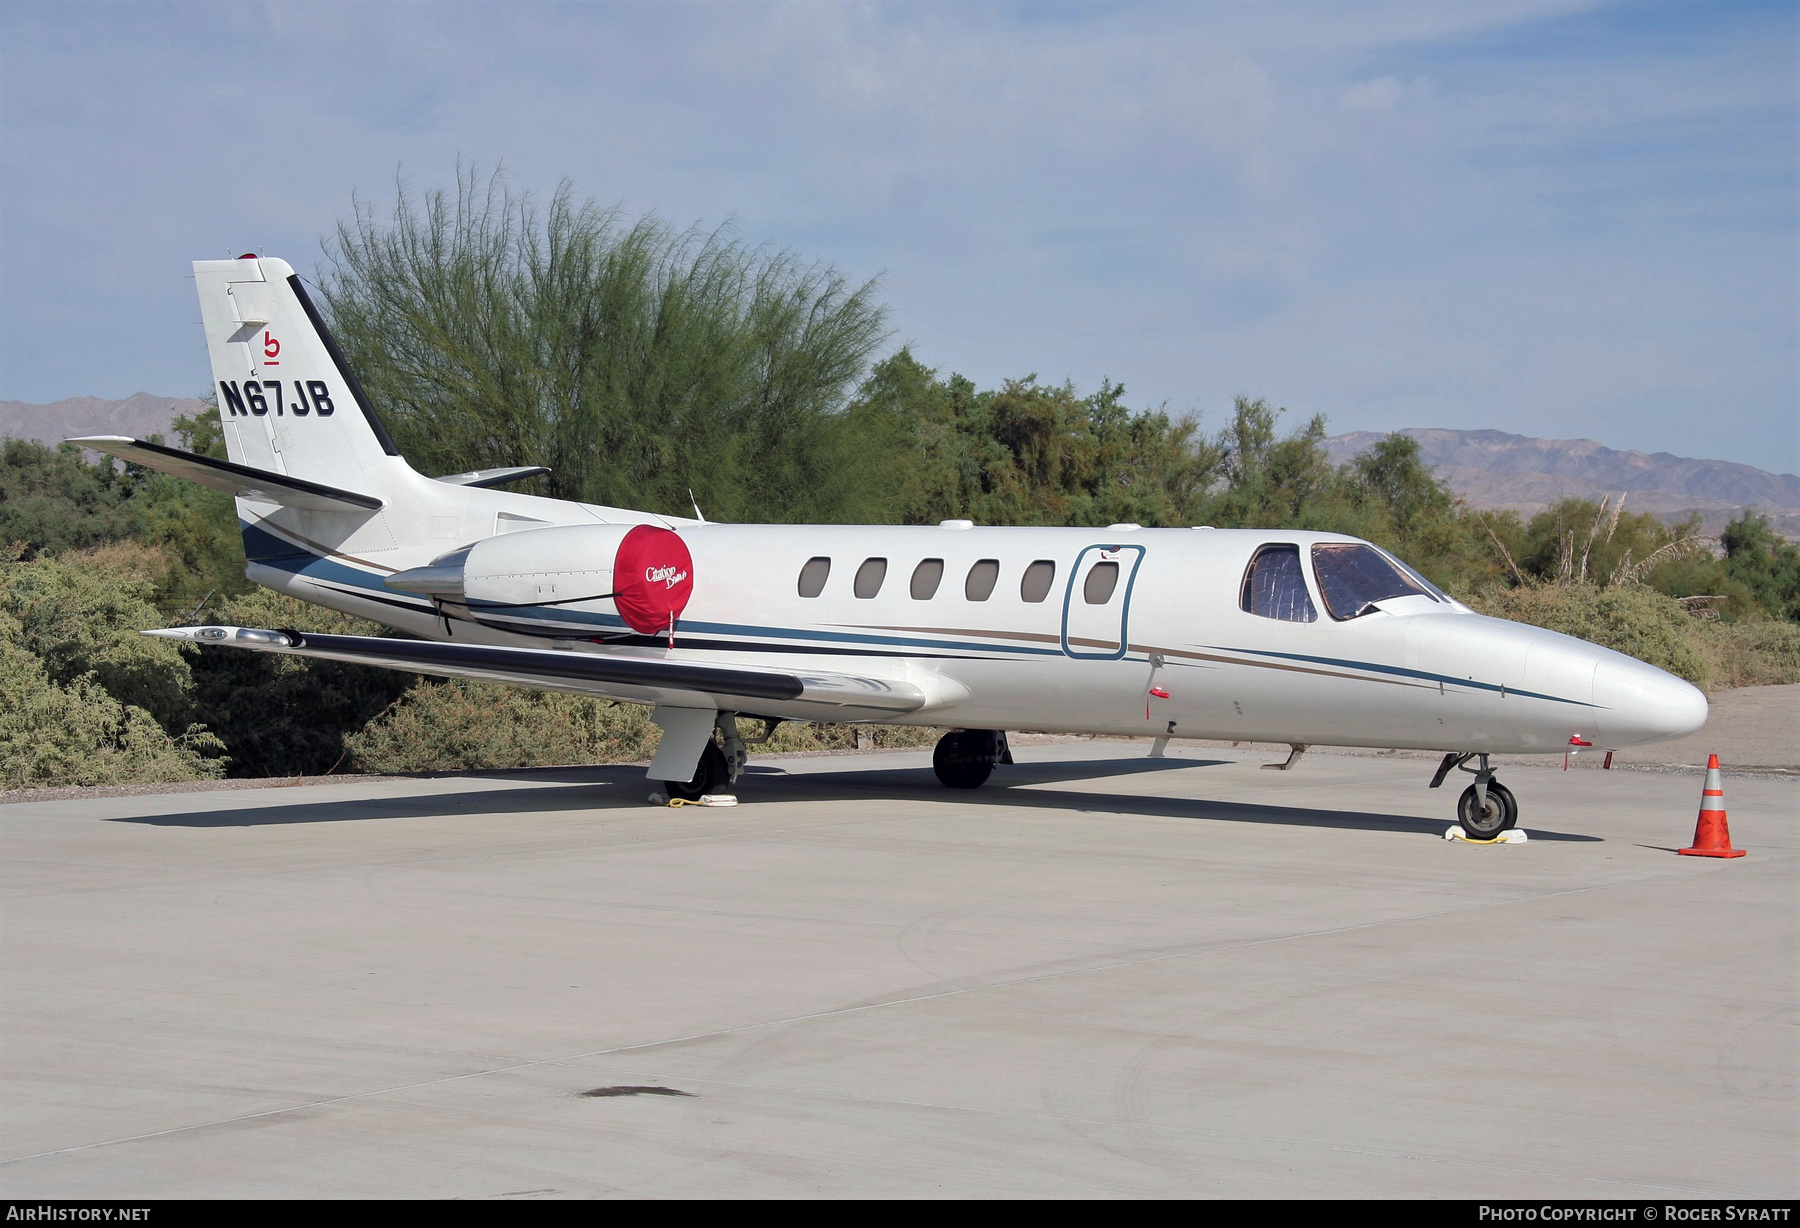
(620, 675)
(493, 477)
(240, 480)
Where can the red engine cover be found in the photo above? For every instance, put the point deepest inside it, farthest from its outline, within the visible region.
(653, 577)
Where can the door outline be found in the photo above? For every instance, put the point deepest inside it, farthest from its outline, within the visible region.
(1124, 605)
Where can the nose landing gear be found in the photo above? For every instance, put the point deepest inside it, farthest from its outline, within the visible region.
(1487, 807)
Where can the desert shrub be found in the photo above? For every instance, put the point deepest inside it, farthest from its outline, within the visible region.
(77, 734)
(1643, 623)
(285, 716)
(465, 726)
(1633, 620)
(1751, 653)
(80, 613)
(800, 736)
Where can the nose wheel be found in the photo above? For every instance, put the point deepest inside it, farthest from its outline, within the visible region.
(1483, 818)
(1486, 807)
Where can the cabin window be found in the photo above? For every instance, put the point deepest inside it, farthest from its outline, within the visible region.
(1353, 577)
(982, 578)
(1034, 585)
(812, 576)
(869, 577)
(925, 579)
(1275, 587)
(1102, 579)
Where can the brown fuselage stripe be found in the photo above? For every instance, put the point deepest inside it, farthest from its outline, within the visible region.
(319, 547)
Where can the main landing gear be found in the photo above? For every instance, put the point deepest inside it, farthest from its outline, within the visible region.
(1486, 807)
(721, 761)
(964, 758)
(711, 776)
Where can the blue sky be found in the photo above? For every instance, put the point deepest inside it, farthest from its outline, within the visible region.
(1560, 219)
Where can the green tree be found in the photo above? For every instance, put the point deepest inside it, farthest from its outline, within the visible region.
(1394, 477)
(1027, 453)
(1766, 564)
(636, 360)
(52, 500)
(194, 526)
(1279, 481)
(1580, 540)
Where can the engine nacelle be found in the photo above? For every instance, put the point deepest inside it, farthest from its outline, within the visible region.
(641, 572)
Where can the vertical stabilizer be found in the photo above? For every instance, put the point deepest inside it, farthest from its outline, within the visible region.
(288, 402)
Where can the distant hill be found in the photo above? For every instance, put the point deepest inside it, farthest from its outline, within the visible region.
(1492, 469)
(139, 416)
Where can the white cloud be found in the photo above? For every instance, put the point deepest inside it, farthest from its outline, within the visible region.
(1381, 94)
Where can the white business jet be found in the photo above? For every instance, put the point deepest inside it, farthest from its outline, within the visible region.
(1250, 635)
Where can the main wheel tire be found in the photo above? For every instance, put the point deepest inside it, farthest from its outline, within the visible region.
(709, 777)
(964, 759)
(1501, 813)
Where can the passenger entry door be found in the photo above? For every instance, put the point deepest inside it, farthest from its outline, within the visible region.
(1097, 602)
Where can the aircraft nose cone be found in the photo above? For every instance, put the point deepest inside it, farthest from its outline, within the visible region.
(1641, 703)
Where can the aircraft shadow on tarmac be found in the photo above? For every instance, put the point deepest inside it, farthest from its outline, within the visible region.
(609, 788)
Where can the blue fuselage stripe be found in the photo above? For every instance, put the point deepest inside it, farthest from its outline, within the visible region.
(1403, 672)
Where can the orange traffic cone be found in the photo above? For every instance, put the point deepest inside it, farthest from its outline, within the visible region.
(1711, 836)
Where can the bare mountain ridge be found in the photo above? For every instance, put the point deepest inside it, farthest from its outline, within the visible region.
(139, 416)
(1492, 469)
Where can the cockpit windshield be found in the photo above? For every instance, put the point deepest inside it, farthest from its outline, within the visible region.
(1353, 577)
(1431, 590)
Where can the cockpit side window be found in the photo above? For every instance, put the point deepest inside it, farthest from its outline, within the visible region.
(1353, 577)
(1275, 587)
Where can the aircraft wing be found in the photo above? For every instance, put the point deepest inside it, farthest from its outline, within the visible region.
(800, 694)
(236, 479)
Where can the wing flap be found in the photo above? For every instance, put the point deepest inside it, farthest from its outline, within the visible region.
(240, 480)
